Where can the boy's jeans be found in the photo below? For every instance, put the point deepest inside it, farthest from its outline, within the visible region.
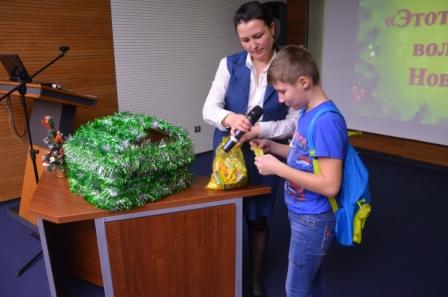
(311, 236)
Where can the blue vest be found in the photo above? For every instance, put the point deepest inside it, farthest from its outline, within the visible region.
(237, 95)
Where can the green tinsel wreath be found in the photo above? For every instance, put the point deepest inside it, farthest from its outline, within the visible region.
(127, 159)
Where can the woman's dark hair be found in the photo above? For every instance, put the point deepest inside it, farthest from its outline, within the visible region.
(252, 10)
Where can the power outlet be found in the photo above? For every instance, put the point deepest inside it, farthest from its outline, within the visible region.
(197, 129)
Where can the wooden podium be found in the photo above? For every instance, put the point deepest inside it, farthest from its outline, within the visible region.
(56, 102)
(187, 244)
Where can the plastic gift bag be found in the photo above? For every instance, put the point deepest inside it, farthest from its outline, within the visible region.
(229, 169)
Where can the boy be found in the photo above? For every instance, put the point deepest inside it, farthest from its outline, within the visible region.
(294, 74)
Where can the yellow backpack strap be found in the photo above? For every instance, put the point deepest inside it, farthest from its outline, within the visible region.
(360, 218)
(354, 133)
(332, 200)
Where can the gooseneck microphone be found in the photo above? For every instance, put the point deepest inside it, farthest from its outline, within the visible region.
(64, 49)
(253, 116)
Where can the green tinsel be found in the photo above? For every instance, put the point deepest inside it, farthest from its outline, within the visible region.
(118, 163)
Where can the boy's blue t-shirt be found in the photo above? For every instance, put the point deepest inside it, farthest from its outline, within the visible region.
(330, 141)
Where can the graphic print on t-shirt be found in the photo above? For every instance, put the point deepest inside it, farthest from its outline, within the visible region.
(299, 158)
(295, 191)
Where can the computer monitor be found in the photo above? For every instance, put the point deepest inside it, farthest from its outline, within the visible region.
(15, 68)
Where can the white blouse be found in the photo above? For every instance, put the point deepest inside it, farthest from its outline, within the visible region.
(213, 111)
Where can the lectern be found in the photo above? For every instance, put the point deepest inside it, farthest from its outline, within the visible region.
(47, 100)
(59, 103)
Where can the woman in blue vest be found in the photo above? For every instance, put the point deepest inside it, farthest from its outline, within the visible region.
(240, 84)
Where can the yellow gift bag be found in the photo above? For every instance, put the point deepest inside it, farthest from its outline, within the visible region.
(229, 169)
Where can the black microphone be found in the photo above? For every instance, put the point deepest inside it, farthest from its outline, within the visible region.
(253, 116)
(64, 49)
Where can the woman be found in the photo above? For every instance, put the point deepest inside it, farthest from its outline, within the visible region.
(240, 84)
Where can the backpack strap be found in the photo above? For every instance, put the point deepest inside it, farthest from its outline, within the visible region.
(309, 137)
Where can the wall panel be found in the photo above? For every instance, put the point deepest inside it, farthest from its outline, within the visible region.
(297, 22)
(167, 53)
(35, 30)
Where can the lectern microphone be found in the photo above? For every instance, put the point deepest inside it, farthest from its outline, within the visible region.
(64, 48)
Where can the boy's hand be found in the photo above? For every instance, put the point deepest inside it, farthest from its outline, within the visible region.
(264, 144)
(268, 165)
(253, 132)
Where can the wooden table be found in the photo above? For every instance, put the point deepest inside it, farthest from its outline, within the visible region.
(188, 244)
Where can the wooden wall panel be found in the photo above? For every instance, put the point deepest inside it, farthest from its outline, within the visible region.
(297, 22)
(35, 30)
(405, 148)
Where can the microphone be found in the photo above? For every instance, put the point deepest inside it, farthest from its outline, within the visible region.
(253, 116)
(64, 49)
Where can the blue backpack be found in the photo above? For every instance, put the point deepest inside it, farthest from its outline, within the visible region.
(352, 205)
